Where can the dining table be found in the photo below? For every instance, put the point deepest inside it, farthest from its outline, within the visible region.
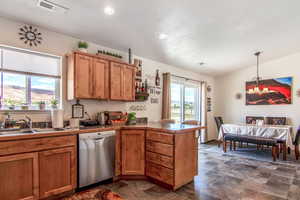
(282, 133)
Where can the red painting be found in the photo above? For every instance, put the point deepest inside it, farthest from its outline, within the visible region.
(269, 92)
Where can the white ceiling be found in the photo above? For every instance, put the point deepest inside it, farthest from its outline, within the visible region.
(222, 33)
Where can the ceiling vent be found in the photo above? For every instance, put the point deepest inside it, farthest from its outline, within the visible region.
(52, 7)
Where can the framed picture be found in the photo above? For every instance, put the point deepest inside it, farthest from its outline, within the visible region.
(277, 91)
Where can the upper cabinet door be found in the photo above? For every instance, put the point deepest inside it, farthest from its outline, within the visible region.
(116, 81)
(129, 83)
(19, 176)
(101, 79)
(83, 77)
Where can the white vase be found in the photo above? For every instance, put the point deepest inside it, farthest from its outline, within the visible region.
(84, 50)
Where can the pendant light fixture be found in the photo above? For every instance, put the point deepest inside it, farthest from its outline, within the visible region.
(257, 89)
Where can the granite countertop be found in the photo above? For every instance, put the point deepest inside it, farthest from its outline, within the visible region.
(163, 127)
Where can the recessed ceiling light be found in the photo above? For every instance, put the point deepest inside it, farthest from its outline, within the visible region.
(162, 36)
(109, 10)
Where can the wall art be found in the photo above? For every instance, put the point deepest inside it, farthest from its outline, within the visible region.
(269, 92)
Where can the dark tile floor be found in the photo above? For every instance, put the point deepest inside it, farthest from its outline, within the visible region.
(224, 177)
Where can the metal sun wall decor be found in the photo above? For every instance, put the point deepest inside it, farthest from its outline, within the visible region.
(30, 35)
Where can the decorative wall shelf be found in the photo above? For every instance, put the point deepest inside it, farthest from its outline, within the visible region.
(141, 96)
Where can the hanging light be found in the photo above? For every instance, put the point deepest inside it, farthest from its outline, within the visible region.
(257, 88)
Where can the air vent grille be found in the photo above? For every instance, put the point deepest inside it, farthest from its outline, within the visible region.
(46, 5)
(51, 6)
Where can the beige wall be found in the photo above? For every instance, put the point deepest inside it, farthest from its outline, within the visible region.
(60, 44)
(234, 110)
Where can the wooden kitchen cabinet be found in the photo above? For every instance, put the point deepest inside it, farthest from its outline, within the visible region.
(166, 158)
(19, 177)
(88, 77)
(132, 152)
(116, 81)
(57, 171)
(37, 168)
(122, 82)
(129, 83)
(83, 76)
(171, 159)
(101, 79)
(95, 77)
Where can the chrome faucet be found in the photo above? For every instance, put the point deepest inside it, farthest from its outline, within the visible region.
(27, 122)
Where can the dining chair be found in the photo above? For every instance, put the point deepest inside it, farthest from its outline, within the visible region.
(171, 121)
(276, 120)
(296, 143)
(219, 122)
(194, 122)
(191, 122)
(253, 119)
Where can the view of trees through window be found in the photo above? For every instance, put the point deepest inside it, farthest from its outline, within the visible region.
(184, 102)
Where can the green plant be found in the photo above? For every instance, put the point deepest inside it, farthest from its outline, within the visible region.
(10, 102)
(82, 44)
(110, 54)
(132, 116)
(54, 102)
(42, 102)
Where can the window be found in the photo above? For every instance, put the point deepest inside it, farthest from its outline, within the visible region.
(28, 78)
(185, 101)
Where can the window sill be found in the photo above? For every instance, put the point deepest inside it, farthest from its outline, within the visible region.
(23, 111)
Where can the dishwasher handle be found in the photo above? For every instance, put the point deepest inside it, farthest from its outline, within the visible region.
(98, 139)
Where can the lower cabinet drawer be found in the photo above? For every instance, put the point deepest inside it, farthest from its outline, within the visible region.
(160, 173)
(160, 148)
(39, 144)
(160, 159)
(160, 137)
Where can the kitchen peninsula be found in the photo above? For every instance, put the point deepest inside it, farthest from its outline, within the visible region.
(163, 153)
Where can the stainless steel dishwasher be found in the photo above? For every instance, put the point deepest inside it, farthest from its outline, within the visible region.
(96, 157)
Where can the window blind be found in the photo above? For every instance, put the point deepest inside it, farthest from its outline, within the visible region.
(29, 62)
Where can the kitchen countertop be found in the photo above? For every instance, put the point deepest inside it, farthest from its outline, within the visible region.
(163, 127)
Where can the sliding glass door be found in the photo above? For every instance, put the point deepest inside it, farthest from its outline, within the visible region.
(176, 101)
(191, 103)
(185, 101)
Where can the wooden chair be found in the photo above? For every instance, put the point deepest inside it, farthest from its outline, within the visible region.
(171, 121)
(276, 120)
(194, 122)
(296, 143)
(253, 119)
(219, 122)
(191, 122)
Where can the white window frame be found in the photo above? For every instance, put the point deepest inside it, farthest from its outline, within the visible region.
(28, 76)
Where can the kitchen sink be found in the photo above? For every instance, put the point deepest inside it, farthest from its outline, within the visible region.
(26, 131)
(16, 131)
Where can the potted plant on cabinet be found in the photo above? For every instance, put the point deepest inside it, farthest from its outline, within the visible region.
(42, 105)
(83, 46)
(10, 103)
(24, 107)
(54, 104)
